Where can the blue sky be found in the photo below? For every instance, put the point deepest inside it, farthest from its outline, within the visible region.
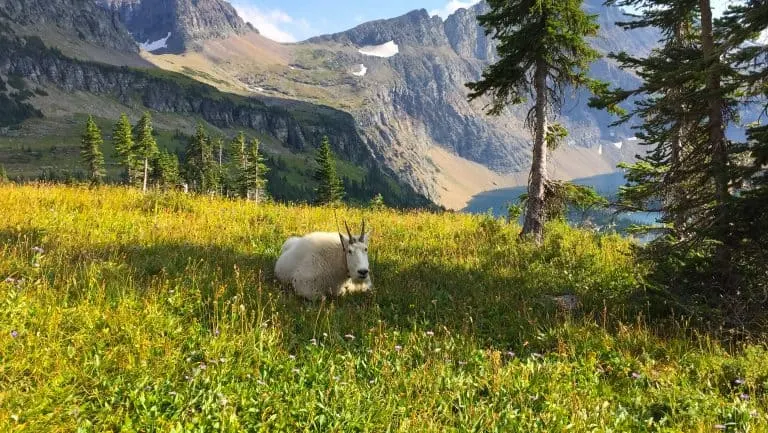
(295, 20)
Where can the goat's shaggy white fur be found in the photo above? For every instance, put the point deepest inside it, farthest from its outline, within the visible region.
(324, 263)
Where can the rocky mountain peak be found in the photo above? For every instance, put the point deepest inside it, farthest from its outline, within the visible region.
(174, 25)
(82, 20)
(416, 28)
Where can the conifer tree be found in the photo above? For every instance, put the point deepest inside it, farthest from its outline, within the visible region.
(218, 175)
(249, 169)
(706, 186)
(686, 101)
(90, 149)
(256, 173)
(146, 146)
(201, 168)
(165, 170)
(238, 164)
(122, 139)
(542, 49)
(330, 189)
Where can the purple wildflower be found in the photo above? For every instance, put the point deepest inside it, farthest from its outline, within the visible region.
(510, 354)
(38, 250)
(14, 334)
(744, 396)
(635, 375)
(216, 332)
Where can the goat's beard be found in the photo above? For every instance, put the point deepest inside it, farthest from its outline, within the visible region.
(358, 285)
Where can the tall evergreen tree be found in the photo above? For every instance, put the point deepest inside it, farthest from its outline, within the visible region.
(201, 168)
(249, 169)
(90, 149)
(255, 174)
(330, 189)
(748, 214)
(146, 146)
(542, 49)
(165, 170)
(686, 101)
(122, 139)
(219, 172)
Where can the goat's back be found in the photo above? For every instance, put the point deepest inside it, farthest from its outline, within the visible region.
(299, 251)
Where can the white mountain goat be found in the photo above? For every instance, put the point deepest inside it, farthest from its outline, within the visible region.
(325, 264)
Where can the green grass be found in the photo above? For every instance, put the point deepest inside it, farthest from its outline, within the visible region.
(160, 313)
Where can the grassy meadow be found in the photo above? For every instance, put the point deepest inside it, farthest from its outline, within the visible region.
(125, 312)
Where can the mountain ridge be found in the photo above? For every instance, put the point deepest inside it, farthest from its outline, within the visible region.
(406, 103)
(179, 24)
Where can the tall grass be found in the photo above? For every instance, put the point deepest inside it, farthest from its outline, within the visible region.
(125, 312)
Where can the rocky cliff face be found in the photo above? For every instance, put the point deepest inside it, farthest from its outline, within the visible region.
(82, 20)
(298, 125)
(422, 102)
(173, 25)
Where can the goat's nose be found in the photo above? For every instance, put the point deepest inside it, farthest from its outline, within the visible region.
(363, 272)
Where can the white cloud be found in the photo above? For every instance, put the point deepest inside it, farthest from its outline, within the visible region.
(452, 7)
(274, 24)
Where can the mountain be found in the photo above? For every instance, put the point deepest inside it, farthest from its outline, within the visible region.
(175, 25)
(391, 93)
(80, 29)
(46, 92)
(403, 80)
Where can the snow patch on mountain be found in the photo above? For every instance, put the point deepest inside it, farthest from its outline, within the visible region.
(361, 70)
(384, 50)
(156, 45)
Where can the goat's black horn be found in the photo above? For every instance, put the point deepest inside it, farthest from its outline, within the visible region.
(362, 231)
(349, 233)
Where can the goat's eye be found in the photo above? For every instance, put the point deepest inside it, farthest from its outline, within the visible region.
(350, 252)
(366, 250)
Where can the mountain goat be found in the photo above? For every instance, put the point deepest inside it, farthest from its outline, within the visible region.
(325, 263)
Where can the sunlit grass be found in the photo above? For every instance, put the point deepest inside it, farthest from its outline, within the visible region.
(124, 312)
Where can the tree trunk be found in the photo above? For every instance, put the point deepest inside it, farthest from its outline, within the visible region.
(534, 215)
(719, 152)
(146, 173)
(676, 194)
